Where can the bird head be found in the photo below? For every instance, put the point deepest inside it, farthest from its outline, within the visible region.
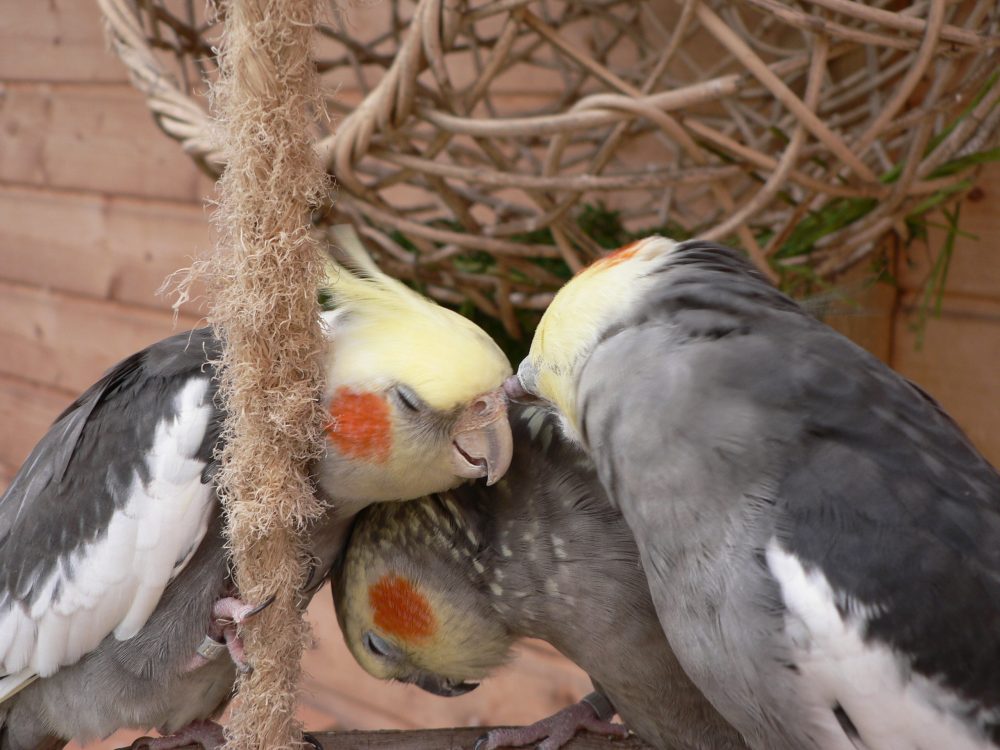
(413, 390)
(590, 306)
(410, 601)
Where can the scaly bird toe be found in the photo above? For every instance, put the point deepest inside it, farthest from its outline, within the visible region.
(553, 732)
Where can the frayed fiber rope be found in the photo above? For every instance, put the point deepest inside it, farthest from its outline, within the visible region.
(263, 282)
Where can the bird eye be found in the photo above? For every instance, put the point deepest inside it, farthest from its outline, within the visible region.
(408, 399)
(376, 645)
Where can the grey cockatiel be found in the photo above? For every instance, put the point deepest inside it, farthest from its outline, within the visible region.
(435, 591)
(111, 556)
(821, 540)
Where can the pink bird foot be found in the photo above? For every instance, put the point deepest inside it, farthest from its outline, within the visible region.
(228, 614)
(206, 734)
(592, 713)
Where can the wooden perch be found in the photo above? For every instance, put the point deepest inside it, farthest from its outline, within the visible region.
(463, 738)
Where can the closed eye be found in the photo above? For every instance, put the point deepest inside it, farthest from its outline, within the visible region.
(409, 399)
(378, 646)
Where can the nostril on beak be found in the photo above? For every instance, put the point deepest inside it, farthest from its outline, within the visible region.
(481, 406)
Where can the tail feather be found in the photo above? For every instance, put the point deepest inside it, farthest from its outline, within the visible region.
(11, 685)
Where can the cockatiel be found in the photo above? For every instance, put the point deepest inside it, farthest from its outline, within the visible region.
(435, 591)
(111, 550)
(822, 542)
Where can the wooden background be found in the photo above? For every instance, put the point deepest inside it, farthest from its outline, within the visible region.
(97, 207)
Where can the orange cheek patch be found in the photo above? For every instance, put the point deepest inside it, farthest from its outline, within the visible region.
(359, 425)
(400, 609)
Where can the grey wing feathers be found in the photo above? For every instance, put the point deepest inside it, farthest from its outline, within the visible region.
(47, 512)
(891, 501)
(876, 486)
(110, 503)
(47, 463)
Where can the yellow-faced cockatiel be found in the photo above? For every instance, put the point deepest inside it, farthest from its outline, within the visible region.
(822, 542)
(435, 591)
(112, 559)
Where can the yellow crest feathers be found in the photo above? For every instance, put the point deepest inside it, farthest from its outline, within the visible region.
(585, 306)
(361, 278)
(384, 333)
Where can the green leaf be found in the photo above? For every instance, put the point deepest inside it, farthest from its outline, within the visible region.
(932, 296)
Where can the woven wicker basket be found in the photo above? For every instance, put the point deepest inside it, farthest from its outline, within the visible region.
(489, 149)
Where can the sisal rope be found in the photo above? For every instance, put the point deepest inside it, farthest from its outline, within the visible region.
(263, 282)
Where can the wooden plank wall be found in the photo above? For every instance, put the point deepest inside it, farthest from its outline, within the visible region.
(97, 207)
(95, 210)
(959, 360)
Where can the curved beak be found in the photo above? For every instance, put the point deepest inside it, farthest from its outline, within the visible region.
(437, 685)
(515, 391)
(481, 440)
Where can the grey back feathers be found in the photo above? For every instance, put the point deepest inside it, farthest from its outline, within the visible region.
(775, 474)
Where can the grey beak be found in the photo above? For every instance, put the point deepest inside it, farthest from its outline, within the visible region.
(438, 685)
(515, 391)
(482, 441)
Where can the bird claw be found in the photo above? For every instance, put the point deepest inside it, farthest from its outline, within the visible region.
(308, 739)
(228, 614)
(553, 732)
(232, 611)
(260, 607)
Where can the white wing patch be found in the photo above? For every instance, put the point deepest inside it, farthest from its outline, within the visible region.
(892, 707)
(115, 583)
